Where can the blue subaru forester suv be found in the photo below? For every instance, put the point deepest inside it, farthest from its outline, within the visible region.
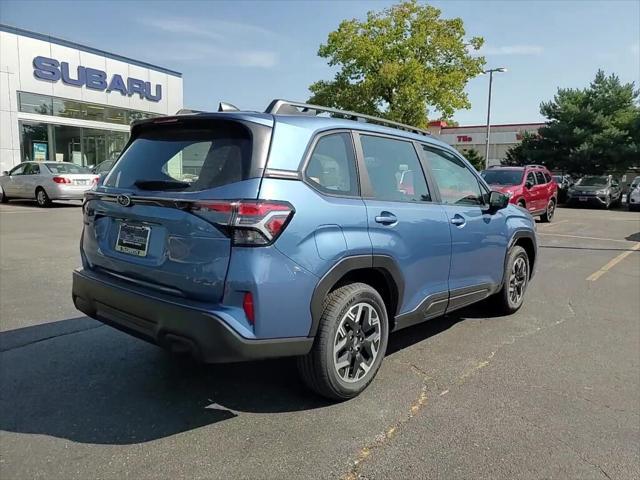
(302, 231)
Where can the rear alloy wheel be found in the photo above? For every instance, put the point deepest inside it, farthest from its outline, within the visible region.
(547, 216)
(42, 198)
(350, 343)
(516, 279)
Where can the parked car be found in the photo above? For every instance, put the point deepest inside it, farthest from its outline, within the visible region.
(46, 181)
(531, 187)
(103, 167)
(303, 235)
(633, 199)
(564, 182)
(599, 190)
(634, 183)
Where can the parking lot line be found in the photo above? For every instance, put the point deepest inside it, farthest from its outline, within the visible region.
(549, 225)
(583, 238)
(612, 263)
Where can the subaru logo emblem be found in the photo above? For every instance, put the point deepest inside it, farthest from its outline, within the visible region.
(123, 200)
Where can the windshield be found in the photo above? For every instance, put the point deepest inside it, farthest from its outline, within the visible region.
(503, 177)
(185, 159)
(592, 181)
(57, 168)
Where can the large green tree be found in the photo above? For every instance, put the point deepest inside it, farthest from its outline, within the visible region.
(399, 63)
(590, 130)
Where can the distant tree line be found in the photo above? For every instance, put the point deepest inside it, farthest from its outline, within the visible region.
(593, 130)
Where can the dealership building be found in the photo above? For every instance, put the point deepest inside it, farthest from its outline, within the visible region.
(501, 139)
(62, 101)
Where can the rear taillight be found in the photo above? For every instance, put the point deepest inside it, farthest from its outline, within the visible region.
(61, 180)
(248, 222)
(95, 180)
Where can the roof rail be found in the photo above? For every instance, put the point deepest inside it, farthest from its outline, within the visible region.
(535, 166)
(286, 107)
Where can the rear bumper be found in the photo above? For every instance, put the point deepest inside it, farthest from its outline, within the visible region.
(64, 192)
(172, 325)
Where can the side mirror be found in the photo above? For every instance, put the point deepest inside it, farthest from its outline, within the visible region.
(497, 201)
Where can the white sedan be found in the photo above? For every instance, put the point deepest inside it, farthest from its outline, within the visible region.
(46, 181)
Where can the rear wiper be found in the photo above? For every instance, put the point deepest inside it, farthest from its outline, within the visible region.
(161, 184)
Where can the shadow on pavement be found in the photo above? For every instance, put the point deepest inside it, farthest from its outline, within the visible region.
(79, 380)
(634, 237)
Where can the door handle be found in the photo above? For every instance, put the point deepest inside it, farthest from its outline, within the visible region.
(386, 218)
(458, 220)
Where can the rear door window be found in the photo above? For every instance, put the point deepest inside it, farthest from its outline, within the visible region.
(540, 178)
(547, 177)
(185, 159)
(394, 170)
(332, 165)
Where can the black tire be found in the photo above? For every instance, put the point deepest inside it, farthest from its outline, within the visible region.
(548, 214)
(521, 204)
(42, 198)
(503, 301)
(318, 369)
(3, 197)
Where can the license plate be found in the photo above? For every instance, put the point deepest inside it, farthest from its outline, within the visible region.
(583, 199)
(133, 239)
(80, 182)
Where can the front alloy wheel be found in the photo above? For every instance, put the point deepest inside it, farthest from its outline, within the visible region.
(518, 280)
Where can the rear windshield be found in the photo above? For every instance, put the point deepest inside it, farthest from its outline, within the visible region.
(66, 168)
(502, 177)
(185, 159)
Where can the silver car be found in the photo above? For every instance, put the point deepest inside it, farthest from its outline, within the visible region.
(46, 181)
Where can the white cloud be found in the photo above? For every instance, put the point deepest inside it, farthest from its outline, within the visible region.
(509, 50)
(225, 43)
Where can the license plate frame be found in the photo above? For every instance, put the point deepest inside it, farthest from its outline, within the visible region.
(135, 240)
(583, 199)
(80, 182)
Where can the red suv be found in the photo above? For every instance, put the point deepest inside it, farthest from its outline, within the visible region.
(531, 187)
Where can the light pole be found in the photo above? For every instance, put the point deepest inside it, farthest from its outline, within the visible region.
(486, 151)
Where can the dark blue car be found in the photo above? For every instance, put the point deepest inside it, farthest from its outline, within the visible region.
(302, 231)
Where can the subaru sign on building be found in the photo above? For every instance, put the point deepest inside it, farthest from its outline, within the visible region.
(62, 101)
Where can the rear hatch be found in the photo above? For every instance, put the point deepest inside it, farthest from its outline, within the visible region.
(157, 219)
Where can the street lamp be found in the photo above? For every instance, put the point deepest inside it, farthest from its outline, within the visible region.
(486, 152)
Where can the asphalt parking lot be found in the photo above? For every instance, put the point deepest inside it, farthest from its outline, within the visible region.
(550, 392)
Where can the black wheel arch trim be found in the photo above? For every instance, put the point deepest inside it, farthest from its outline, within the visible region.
(384, 263)
(517, 235)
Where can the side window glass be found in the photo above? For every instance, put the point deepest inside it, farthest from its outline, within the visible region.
(531, 178)
(540, 178)
(547, 177)
(28, 169)
(331, 168)
(394, 170)
(18, 170)
(457, 184)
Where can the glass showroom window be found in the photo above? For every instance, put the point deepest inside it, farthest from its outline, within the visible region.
(34, 141)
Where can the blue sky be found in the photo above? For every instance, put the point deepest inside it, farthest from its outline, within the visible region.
(248, 53)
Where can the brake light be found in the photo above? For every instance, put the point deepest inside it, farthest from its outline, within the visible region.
(248, 222)
(61, 180)
(247, 306)
(95, 180)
